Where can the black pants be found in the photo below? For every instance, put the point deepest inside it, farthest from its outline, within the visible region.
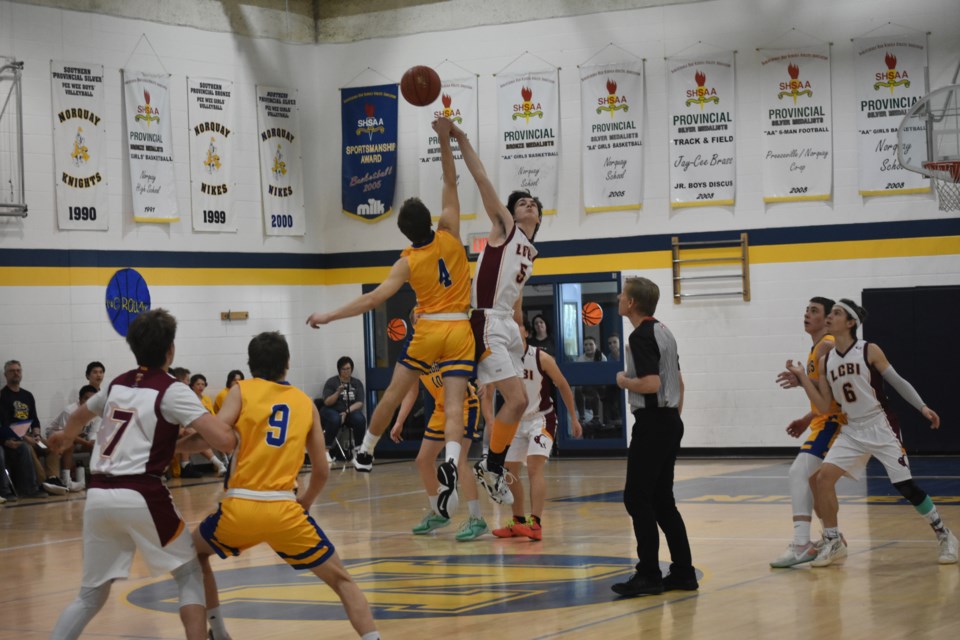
(648, 494)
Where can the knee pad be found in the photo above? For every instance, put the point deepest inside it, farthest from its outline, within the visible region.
(189, 579)
(801, 496)
(909, 490)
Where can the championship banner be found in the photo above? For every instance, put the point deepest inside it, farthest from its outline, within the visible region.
(281, 176)
(889, 74)
(210, 109)
(529, 135)
(79, 138)
(150, 146)
(797, 124)
(611, 106)
(368, 116)
(702, 142)
(458, 102)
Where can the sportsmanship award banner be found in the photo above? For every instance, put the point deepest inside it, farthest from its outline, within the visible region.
(611, 100)
(210, 108)
(797, 123)
(369, 169)
(281, 176)
(79, 137)
(702, 143)
(529, 140)
(458, 102)
(150, 146)
(888, 72)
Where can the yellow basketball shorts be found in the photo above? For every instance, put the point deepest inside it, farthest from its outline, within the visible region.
(448, 343)
(438, 418)
(290, 531)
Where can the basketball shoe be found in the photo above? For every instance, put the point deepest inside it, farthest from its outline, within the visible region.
(448, 499)
(948, 548)
(495, 484)
(833, 550)
(430, 522)
(533, 530)
(515, 528)
(362, 461)
(471, 529)
(795, 555)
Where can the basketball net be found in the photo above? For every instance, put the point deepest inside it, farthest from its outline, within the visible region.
(946, 176)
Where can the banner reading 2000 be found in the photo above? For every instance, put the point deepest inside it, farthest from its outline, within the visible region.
(281, 176)
(702, 144)
(369, 167)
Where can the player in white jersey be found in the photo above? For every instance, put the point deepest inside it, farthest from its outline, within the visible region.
(853, 374)
(534, 440)
(504, 266)
(128, 505)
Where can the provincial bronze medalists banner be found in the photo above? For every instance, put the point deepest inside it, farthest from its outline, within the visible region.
(281, 163)
(797, 124)
(150, 146)
(701, 100)
(210, 109)
(368, 118)
(611, 105)
(528, 116)
(79, 145)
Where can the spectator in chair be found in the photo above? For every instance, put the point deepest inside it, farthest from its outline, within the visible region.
(341, 403)
(232, 379)
(82, 444)
(20, 433)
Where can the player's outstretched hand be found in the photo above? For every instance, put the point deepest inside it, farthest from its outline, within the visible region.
(317, 319)
(396, 434)
(796, 428)
(442, 126)
(576, 428)
(796, 369)
(787, 380)
(932, 416)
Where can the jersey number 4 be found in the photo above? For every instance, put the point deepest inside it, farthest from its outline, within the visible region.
(444, 279)
(277, 425)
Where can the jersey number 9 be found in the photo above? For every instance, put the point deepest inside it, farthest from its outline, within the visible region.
(277, 425)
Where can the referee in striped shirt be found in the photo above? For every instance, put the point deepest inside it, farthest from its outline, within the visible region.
(655, 391)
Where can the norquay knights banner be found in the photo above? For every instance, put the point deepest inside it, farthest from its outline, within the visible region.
(611, 100)
(701, 99)
(797, 140)
(369, 167)
(281, 175)
(150, 146)
(210, 108)
(528, 115)
(458, 102)
(79, 137)
(889, 74)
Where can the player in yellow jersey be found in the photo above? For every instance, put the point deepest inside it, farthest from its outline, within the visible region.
(436, 266)
(275, 422)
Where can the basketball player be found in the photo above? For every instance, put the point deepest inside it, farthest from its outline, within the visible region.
(534, 440)
(274, 423)
(852, 374)
(504, 266)
(436, 267)
(128, 505)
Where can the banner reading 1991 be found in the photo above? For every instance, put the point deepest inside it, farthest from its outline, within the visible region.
(146, 101)
(369, 167)
(281, 165)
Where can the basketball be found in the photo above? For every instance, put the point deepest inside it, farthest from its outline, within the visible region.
(396, 329)
(420, 86)
(592, 314)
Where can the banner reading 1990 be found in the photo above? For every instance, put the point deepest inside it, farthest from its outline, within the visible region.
(369, 167)
(281, 172)
(702, 145)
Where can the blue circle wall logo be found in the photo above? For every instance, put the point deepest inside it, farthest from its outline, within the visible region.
(411, 587)
(127, 297)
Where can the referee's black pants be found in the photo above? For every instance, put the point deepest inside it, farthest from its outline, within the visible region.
(648, 494)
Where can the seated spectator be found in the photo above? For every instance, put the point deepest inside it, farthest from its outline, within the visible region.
(590, 351)
(232, 378)
(83, 443)
(341, 403)
(95, 373)
(588, 398)
(613, 346)
(198, 382)
(541, 334)
(20, 433)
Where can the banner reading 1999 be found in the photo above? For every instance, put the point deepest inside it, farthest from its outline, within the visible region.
(369, 166)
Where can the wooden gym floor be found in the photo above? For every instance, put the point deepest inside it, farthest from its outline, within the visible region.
(737, 513)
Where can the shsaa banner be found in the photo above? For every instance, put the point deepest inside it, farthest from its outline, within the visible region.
(458, 102)
(529, 142)
(150, 146)
(797, 124)
(889, 74)
(281, 173)
(611, 104)
(702, 140)
(368, 116)
(79, 135)
(210, 109)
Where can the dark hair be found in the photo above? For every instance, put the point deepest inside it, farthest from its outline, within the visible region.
(93, 365)
(268, 356)
(826, 303)
(179, 372)
(860, 312)
(590, 338)
(343, 361)
(644, 292)
(197, 376)
(545, 323)
(414, 221)
(85, 389)
(150, 336)
(516, 196)
(528, 325)
(236, 373)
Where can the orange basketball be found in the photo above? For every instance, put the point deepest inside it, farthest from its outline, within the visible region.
(396, 329)
(420, 86)
(592, 314)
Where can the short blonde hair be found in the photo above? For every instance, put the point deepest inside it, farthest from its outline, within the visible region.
(645, 293)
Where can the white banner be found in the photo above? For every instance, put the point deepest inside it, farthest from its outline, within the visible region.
(611, 106)
(210, 109)
(889, 74)
(529, 135)
(281, 176)
(79, 145)
(797, 124)
(458, 102)
(150, 146)
(702, 103)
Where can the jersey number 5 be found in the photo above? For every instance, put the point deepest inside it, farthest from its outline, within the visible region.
(444, 274)
(277, 425)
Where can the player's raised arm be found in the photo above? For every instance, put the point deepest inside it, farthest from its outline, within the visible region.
(399, 274)
(499, 216)
(819, 392)
(450, 199)
(549, 366)
(878, 360)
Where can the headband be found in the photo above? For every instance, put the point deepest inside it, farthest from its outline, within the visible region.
(849, 310)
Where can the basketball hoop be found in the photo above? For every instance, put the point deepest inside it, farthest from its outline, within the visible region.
(946, 175)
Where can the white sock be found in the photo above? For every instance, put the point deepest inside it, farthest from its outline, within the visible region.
(369, 443)
(217, 628)
(218, 463)
(65, 477)
(433, 503)
(801, 532)
(831, 533)
(452, 452)
(373, 635)
(474, 506)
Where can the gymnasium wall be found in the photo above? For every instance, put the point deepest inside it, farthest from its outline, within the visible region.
(51, 312)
